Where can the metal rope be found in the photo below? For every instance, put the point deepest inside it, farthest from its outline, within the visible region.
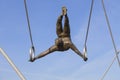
(13, 65)
(88, 26)
(28, 21)
(110, 32)
(109, 67)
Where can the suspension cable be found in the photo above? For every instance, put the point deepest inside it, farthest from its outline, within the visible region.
(28, 21)
(110, 32)
(12, 65)
(89, 20)
(109, 67)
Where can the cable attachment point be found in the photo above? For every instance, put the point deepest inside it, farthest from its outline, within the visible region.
(32, 54)
(85, 53)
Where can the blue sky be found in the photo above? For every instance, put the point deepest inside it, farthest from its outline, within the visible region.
(58, 65)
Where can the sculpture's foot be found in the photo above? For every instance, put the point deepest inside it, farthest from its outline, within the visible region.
(64, 11)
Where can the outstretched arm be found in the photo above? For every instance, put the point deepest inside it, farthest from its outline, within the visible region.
(73, 47)
(50, 50)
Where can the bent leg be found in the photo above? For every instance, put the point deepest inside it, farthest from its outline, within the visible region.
(66, 26)
(59, 29)
(50, 50)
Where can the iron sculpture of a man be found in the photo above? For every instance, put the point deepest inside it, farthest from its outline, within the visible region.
(63, 42)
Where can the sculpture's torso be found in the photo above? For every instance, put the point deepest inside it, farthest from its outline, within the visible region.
(63, 43)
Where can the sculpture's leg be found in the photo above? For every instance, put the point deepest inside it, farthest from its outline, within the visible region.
(66, 26)
(64, 10)
(73, 47)
(50, 50)
(59, 29)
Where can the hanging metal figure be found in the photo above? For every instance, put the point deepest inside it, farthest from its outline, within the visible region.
(63, 42)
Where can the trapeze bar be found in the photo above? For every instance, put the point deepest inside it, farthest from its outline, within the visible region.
(12, 65)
